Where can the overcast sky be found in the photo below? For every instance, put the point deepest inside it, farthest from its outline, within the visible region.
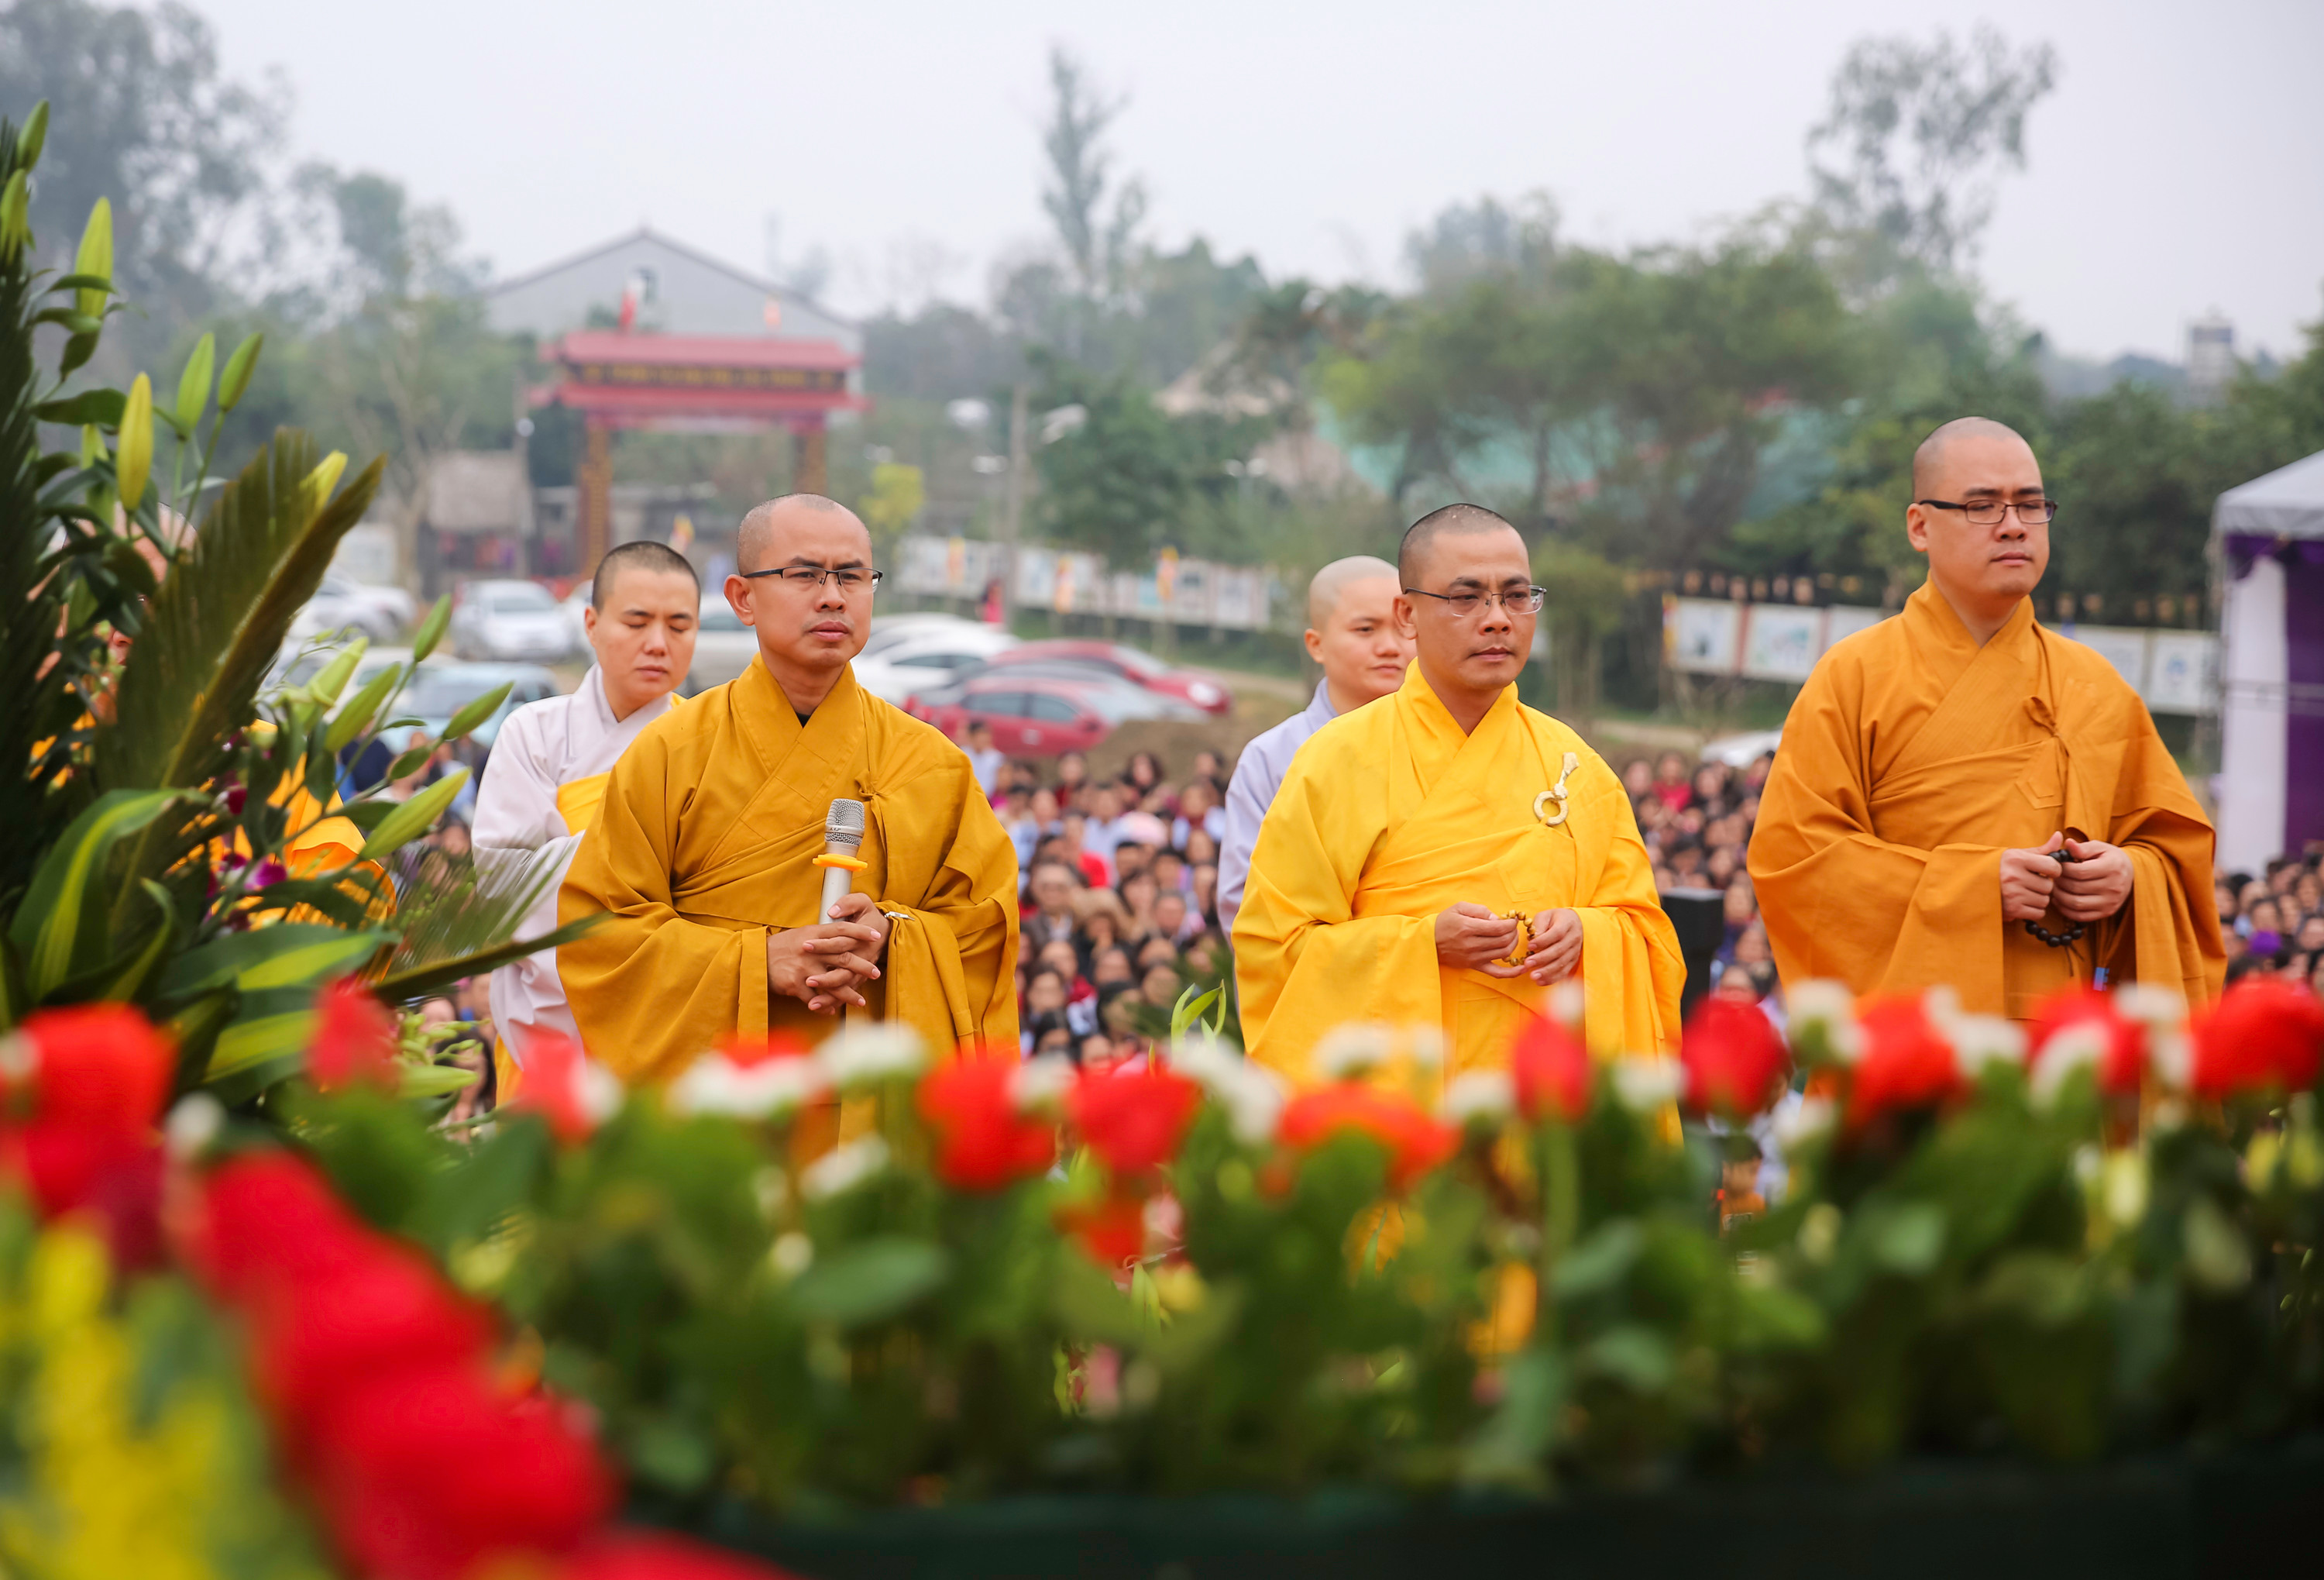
(2178, 167)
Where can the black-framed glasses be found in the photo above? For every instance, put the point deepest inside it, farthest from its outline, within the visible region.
(1987, 512)
(1517, 601)
(806, 578)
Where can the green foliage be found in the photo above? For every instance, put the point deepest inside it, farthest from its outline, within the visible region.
(156, 796)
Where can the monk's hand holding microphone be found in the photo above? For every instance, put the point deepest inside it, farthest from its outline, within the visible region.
(824, 964)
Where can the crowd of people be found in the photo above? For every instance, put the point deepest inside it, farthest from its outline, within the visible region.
(1696, 819)
(2273, 923)
(1118, 885)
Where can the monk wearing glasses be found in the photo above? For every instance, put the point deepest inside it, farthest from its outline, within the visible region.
(1447, 856)
(703, 856)
(1965, 798)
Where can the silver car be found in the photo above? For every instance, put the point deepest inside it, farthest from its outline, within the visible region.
(509, 621)
(723, 646)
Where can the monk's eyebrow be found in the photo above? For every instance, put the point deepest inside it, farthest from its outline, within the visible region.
(802, 562)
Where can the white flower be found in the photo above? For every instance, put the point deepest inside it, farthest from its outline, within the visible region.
(2160, 1008)
(2173, 1056)
(1566, 1002)
(865, 1054)
(19, 1054)
(1827, 1007)
(792, 1254)
(1041, 1083)
(1426, 1044)
(597, 1091)
(1251, 1093)
(1820, 1232)
(715, 1084)
(1980, 1040)
(192, 1126)
(1803, 1122)
(1647, 1085)
(1480, 1097)
(1354, 1049)
(2078, 1046)
(2123, 1187)
(843, 1169)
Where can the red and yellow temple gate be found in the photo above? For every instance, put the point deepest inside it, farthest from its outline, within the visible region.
(699, 383)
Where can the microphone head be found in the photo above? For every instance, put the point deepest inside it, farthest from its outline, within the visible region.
(845, 825)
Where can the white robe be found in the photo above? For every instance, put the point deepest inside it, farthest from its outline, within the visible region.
(545, 747)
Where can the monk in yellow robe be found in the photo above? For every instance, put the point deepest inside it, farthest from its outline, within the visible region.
(1412, 834)
(702, 852)
(1963, 797)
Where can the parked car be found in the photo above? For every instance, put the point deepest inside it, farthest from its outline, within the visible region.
(926, 658)
(509, 620)
(723, 646)
(440, 690)
(339, 604)
(887, 630)
(1126, 664)
(1040, 715)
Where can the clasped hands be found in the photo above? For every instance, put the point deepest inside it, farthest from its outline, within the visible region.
(825, 965)
(1474, 938)
(2090, 888)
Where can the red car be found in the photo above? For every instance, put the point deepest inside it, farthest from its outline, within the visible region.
(1040, 715)
(1125, 664)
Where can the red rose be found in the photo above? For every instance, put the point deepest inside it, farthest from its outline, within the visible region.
(984, 1141)
(354, 1040)
(386, 1315)
(426, 1472)
(2263, 1033)
(2084, 1013)
(269, 1218)
(629, 1555)
(1112, 1232)
(1735, 1063)
(1133, 1119)
(1550, 1071)
(1415, 1142)
(561, 1085)
(72, 1168)
(1905, 1062)
(100, 1066)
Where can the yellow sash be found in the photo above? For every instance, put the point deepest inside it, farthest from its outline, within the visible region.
(577, 802)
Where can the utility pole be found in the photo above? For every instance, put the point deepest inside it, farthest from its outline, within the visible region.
(1012, 509)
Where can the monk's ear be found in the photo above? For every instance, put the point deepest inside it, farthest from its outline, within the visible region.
(1407, 625)
(1916, 528)
(738, 598)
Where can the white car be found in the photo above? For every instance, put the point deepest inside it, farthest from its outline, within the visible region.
(510, 622)
(925, 660)
(381, 614)
(887, 630)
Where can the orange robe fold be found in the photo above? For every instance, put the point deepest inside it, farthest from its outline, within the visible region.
(703, 847)
(1913, 758)
(1390, 814)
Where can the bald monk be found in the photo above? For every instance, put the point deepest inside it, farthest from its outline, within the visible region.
(702, 854)
(1964, 798)
(1351, 633)
(550, 762)
(1405, 833)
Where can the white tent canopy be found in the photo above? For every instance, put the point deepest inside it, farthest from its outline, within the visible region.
(2260, 712)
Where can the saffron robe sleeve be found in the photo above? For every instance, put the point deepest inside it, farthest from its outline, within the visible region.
(1912, 757)
(1391, 814)
(703, 849)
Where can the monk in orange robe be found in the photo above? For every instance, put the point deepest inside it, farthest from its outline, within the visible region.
(1443, 856)
(1963, 797)
(702, 852)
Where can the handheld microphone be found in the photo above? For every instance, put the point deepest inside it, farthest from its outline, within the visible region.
(843, 836)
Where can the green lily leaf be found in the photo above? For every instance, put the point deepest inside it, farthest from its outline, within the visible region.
(414, 818)
(62, 924)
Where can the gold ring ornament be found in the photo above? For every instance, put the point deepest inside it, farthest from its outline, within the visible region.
(1557, 793)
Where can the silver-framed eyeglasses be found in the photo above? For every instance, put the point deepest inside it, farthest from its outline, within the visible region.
(1987, 512)
(852, 578)
(1516, 600)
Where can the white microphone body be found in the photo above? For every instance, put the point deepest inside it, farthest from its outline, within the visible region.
(843, 835)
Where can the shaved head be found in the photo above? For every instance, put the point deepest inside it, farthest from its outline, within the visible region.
(765, 526)
(1930, 457)
(1332, 584)
(644, 554)
(1449, 521)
